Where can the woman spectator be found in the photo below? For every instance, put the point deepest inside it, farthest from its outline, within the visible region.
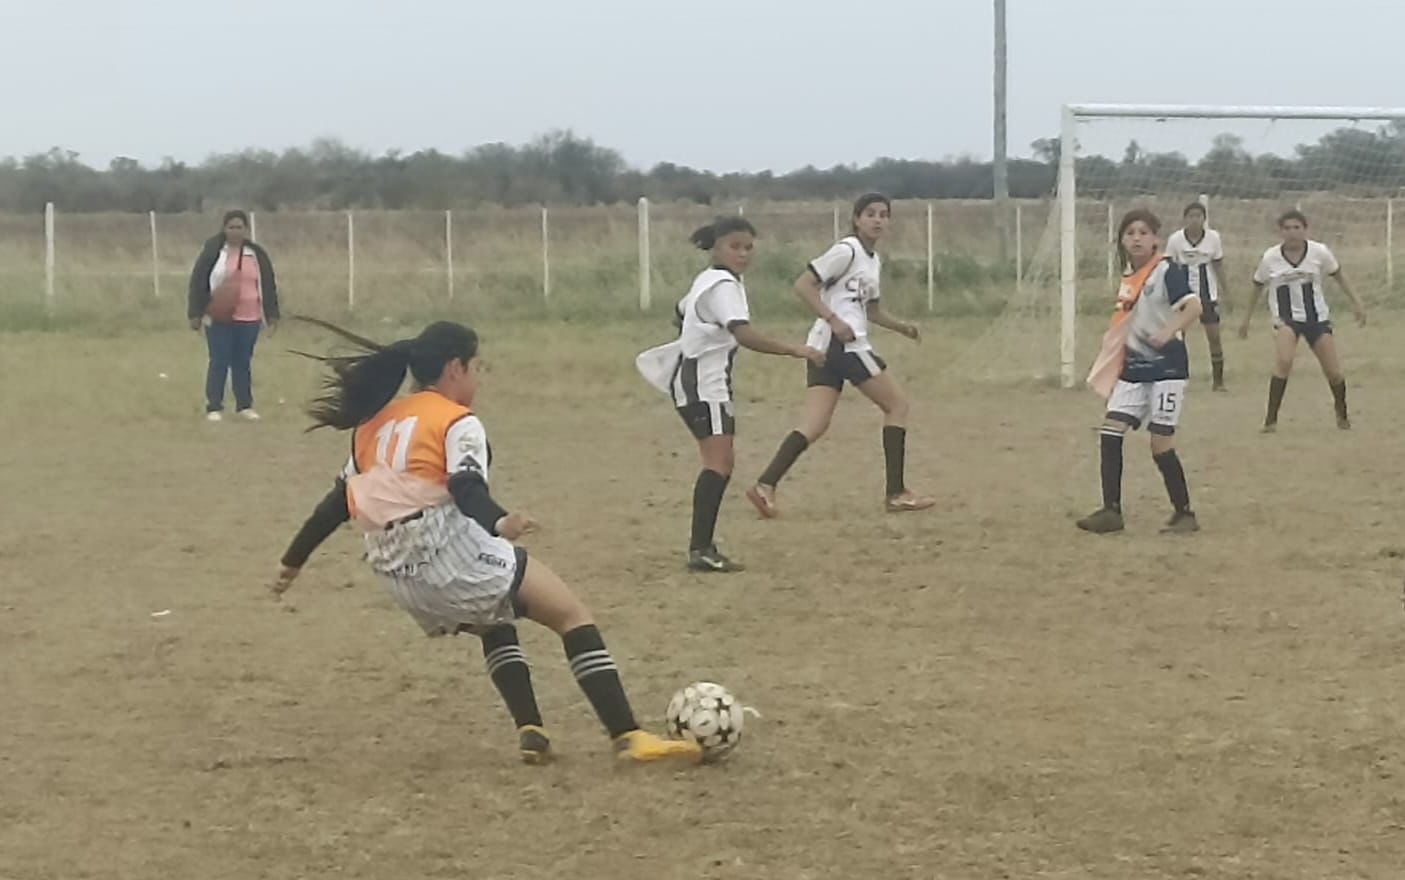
(233, 293)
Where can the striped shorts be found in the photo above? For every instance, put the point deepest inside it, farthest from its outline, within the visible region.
(448, 572)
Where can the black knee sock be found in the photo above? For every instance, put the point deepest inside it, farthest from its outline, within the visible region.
(894, 455)
(1276, 389)
(707, 500)
(599, 678)
(792, 447)
(1217, 366)
(1174, 475)
(1111, 456)
(507, 666)
(1339, 397)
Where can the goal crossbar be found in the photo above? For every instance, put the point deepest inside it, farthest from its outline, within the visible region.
(1068, 187)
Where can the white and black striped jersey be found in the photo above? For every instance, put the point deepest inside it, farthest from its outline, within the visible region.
(849, 280)
(714, 306)
(1295, 290)
(1199, 257)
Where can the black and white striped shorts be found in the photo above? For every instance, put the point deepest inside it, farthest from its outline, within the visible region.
(709, 419)
(840, 366)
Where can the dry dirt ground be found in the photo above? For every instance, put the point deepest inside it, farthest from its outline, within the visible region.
(979, 691)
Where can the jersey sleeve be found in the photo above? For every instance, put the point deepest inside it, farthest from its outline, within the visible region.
(1216, 246)
(1263, 274)
(830, 265)
(466, 447)
(1330, 266)
(1174, 248)
(725, 305)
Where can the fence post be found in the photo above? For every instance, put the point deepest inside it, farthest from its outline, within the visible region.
(254, 225)
(546, 256)
(49, 256)
(1390, 245)
(1019, 244)
(155, 260)
(836, 222)
(449, 250)
(931, 253)
(1111, 242)
(350, 261)
(645, 266)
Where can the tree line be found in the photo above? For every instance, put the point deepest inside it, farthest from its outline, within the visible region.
(562, 167)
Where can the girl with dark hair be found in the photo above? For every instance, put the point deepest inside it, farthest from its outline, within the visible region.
(1198, 247)
(416, 485)
(714, 318)
(1295, 272)
(233, 292)
(1143, 368)
(842, 288)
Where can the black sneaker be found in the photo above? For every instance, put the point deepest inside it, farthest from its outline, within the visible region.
(712, 559)
(1102, 521)
(1344, 423)
(1182, 522)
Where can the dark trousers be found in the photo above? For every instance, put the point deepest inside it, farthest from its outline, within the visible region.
(231, 354)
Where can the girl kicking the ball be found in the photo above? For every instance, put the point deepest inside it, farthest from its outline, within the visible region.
(714, 319)
(1295, 274)
(842, 288)
(416, 485)
(1143, 368)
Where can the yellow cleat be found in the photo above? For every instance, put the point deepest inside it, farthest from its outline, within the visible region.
(534, 745)
(642, 747)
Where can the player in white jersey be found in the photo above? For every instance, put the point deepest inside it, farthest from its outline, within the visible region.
(714, 319)
(1295, 275)
(416, 487)
(842, 288)
(1198, 248)
(1154, 306)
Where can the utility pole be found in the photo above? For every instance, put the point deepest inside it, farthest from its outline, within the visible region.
(998, 165)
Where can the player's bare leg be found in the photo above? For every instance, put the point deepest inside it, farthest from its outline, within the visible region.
(883, 390)
(1326, 351)
(1285, 347)
(815, 416)
(1108, 518)
(550, 602)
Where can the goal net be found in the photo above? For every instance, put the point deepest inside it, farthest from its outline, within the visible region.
(1342, 167)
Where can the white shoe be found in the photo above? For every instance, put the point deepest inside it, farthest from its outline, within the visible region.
(249, 415)
(214, 417)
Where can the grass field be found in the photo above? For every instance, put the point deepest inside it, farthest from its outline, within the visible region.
(980, 691)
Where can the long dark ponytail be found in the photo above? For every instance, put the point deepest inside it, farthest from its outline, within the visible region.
(362, 384)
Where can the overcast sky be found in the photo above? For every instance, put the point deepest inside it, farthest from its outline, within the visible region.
(725, 86)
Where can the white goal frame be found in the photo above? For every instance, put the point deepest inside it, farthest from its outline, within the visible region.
(1068, 184)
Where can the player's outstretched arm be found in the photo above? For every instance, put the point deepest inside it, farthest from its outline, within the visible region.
(329, 514)
(883, 319)
(748, 336)
(807, 290)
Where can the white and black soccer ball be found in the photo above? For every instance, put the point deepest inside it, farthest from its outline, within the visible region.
(707, 714)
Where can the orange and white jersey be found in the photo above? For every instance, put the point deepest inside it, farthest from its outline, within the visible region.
(402, 458)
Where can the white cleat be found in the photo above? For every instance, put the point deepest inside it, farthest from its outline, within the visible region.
(249, 415)
(213, 417)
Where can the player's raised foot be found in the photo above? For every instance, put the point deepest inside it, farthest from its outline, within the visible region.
(712, 560)
(763, 498)
(642, 747)
(534, 745)
(908, 501)
(1344, 423)
(1269, 428)
(1102, 521)
(1182, 522)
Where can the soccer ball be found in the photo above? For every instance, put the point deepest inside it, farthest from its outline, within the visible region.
(707, 714)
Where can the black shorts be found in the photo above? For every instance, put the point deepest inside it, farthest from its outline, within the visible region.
(706, 419)
(1312, 331)
(856, 367)
(1209, 311)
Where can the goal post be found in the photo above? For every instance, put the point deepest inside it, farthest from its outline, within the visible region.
(1281, 180)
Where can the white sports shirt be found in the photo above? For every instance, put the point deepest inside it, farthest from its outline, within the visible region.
(848, 275)
(1295, 289)
(1199, 259)
(715, 304)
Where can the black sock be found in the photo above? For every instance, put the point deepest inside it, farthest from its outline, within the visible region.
(894, 453)
(599, 678)
(1217, 367)
(1174, 475)
(1111, 456)
(1276, 389)
(1339, 397)
(707, 500)
(507, 666)
(792, 447)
